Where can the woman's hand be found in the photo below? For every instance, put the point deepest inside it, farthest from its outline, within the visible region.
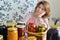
(42, 14)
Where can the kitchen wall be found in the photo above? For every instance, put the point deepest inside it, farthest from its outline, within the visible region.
(55, 12)
(55, 8)
(15, 9)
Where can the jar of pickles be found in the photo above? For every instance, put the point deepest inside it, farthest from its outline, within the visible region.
(41, 28)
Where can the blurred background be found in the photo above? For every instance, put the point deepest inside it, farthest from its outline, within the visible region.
(17, 9)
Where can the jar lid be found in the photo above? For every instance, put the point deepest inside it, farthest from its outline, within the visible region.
(20, 26)
(12, 28)
(41, 25)
(20, 23)
(32, 38)
(1, 36)
(1, 23)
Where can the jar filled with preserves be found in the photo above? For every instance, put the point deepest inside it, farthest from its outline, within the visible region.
(41, 28)
(3, 30)
(21, 30)
(31, 27)
(12, 33)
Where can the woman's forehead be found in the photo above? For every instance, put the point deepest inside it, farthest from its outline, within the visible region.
(42, 6)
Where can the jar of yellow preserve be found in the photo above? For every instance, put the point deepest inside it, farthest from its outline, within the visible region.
(12, 33)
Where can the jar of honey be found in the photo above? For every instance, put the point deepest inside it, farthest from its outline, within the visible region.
(12, 33)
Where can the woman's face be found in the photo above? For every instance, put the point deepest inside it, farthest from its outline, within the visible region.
(40, 10)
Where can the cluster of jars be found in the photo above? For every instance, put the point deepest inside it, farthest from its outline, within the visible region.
(13, 31)
(20, 31)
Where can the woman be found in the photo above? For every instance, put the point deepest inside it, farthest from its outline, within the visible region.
(40, 15)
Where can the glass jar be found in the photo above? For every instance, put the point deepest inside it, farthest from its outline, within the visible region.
(12, 33)
(21, 30)
(3, 30)
(31, 27)
(41, 28)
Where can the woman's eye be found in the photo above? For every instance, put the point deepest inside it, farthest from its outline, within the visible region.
(39, 7)
(43, 9)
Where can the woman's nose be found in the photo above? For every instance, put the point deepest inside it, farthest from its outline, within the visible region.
(40, 9)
